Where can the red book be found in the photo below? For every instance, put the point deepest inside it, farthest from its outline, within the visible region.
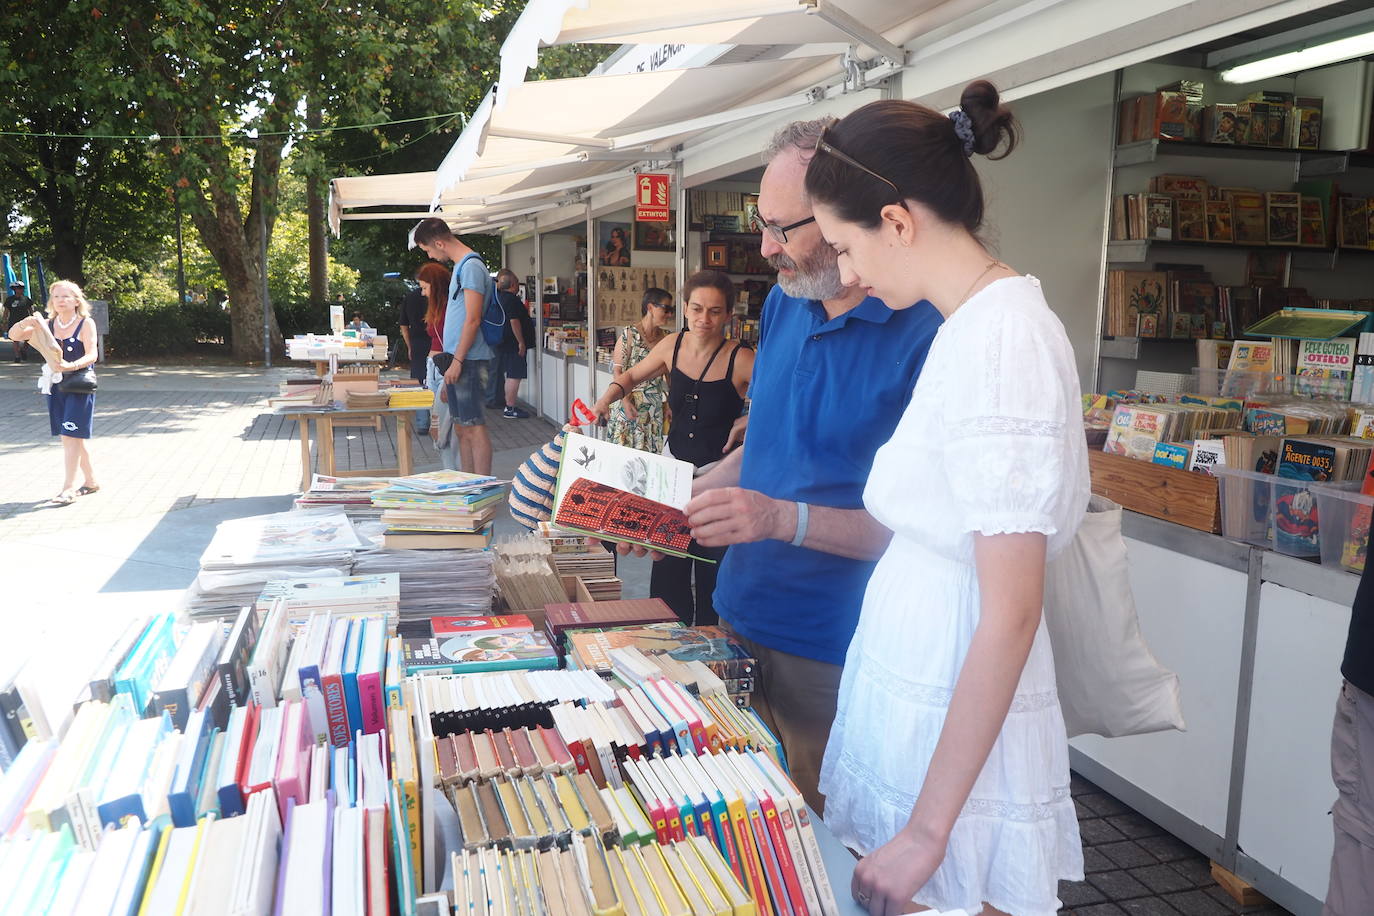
(449, 626)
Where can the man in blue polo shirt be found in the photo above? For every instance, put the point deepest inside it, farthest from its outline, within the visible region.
(835, 370)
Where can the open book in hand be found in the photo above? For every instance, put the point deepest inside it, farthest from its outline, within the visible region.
(624, 495)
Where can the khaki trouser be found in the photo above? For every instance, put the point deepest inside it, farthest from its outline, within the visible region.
(1351, 891)
(796, 698)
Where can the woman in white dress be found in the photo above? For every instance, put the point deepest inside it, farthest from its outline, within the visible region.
(947, 766)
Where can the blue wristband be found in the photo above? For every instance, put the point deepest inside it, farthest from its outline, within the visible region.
(803, 517)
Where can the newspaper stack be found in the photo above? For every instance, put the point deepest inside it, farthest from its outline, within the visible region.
(434, 583)
(246, 553)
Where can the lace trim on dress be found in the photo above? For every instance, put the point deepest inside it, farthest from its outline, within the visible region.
(1006, 426)
(904, 688)
(975, 807)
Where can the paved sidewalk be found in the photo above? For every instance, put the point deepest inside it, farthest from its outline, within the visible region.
(172, 438)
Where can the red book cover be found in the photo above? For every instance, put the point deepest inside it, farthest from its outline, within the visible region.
(771, 820)
(449, 626)
(619, 515)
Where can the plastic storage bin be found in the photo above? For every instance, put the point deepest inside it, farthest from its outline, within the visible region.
(1247, 505)
(1345, 515)
(1240, 383)
(1279, 513)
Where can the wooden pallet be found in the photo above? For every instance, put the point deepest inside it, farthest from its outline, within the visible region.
(1185, 497)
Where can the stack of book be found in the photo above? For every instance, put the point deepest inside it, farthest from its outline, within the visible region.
(525, 573)
(355, 399)
(434, 582)
(226, 770)
(439, 510)
(564, 616)
(246, 553)
(720, 652)
(465, 644)
(340, 596)
(352, 495)
(419, 398)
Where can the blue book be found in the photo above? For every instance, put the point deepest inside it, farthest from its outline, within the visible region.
(226, 780)
(190, 766)
(352, 653)
(123, 794)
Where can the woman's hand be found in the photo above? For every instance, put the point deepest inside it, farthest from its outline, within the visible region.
(602, 410)
(627, 404)
(885, 881)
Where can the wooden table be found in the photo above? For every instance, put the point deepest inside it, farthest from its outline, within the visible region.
(324, 440)
(322, 365)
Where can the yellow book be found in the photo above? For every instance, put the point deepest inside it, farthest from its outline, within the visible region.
(592, 861)
(624, 889)
(639, 877)
(153, 872)
(750, 860)
(719, 870)
(674, 903)
(681, 869)
(409, 792)
(572, 807)
(190, 875)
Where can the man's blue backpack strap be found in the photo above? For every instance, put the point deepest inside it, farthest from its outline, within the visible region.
(493, 315)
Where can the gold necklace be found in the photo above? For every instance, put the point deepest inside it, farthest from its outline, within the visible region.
(969, 292)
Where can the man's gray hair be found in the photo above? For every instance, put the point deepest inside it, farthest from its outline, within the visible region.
(801, 135)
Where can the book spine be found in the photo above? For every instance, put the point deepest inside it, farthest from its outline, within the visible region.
(315, 710)
(263, 689)
(772, 872)
(807, 833)
(371, 702)
(176, 703)
(335, 708)
(783, 853)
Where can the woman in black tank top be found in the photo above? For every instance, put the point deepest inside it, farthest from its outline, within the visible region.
(708, 377)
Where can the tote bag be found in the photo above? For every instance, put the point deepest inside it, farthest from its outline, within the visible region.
(1109, 682)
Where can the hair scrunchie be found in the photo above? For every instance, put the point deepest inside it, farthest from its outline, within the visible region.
(963, 129)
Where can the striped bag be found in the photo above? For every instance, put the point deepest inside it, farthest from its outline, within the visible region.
(532, 485)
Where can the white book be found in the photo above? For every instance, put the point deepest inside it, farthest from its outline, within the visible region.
(265, 667)
(172, 874)
(256, 867)
(221, 845)
(307, 860)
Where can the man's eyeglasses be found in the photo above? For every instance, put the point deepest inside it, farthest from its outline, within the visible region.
(776, 232)
(824, 147)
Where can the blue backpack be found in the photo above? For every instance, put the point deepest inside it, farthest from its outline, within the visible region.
(493, 315)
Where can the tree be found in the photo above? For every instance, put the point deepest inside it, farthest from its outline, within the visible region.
(84, 195)
(223, 85)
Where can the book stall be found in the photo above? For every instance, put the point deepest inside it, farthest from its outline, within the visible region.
(346, 720)
(1233, 420)
(631, 256)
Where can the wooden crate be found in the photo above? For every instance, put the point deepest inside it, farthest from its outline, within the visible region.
(1183, 497)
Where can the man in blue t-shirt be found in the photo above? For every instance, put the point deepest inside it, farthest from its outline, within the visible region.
(465, 381)
(835, 370)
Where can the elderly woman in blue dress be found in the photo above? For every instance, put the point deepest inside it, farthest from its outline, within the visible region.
(68, 344)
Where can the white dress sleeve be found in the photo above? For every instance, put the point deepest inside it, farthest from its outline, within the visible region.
(1006, 421)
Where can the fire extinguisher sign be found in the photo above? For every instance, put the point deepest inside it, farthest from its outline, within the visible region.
(651, 198)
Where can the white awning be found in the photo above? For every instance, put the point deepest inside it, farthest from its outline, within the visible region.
(823, 26)
(586, 127)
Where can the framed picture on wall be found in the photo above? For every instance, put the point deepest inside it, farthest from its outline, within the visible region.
(655, 236)
(613, 244)
(715, 255)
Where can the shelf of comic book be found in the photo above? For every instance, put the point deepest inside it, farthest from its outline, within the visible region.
(352, 787)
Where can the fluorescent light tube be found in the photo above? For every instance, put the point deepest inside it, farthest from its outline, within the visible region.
(1330, 52)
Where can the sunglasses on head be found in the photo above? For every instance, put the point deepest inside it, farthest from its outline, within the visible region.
(823, 147)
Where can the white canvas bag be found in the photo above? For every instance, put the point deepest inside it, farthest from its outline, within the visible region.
(1109, 682)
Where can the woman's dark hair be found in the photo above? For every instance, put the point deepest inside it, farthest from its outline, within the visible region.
(437, 276)
(713, 279)
(654, 296)
(919, 150)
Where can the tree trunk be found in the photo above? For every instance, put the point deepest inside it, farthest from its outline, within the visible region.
(315, 223)
(244, 285)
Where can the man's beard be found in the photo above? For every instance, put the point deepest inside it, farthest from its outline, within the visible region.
(817, 276)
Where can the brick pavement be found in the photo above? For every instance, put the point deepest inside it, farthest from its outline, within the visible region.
(171, 438)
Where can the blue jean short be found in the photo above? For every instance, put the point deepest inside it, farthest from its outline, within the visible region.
(467, 398)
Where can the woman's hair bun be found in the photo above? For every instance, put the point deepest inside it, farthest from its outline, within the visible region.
(994, 126)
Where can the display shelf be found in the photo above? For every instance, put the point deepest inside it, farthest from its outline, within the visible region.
(1129, 347)
(1137, 251)
(1311, 162)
